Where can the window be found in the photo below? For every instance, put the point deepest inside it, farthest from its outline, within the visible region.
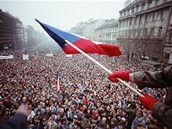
(125, 13)
(152, 32)
(170, 38)
(157, 2)
(140, 20)
(146, 18)
(161, 18)
(143, 6)
(130, 22)
(137, 8)
(120, 14)
(145, 32)
(159, 31)
(132, 10)
(149, 3)
(128, 11)
(153, 16)
(135, 32)
(150, 17)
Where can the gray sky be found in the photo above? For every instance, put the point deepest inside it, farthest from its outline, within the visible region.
(61, 14)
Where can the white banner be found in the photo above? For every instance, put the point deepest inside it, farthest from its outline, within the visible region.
(69, 55)
(6, 57)
(25, 57)
(49, 55)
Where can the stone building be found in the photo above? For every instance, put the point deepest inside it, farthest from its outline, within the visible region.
(78, 29)
(87, 28)
(107, 32)
(91, 26)
(11, 31)
(145, 29)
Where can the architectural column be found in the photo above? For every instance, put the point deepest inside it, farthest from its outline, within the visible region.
(164, 31)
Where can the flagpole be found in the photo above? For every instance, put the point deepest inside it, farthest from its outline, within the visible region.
(58, 83)
(103, 67)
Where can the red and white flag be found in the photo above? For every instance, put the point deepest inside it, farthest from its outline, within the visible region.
(57, 82)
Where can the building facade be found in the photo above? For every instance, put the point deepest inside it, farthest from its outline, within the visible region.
(91, 26)
(107, 33)
(145, 29)
(11, 31)
(78, 29)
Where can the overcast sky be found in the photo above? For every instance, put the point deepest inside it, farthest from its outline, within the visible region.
(62, 14)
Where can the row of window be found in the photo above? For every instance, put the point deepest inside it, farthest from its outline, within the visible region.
(141, 6)
(145, 18)
(151, 32)
(106, 37)
(111, 30)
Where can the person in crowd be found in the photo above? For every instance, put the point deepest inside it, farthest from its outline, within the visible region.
(139, 120)
(19, 120)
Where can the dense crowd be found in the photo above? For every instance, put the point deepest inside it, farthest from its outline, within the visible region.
(86, 100)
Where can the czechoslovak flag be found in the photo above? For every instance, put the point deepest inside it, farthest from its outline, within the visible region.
(84, 44)
(57, 82)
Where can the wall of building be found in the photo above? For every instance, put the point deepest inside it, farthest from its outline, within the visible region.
(11, 31)
(78, 29)
(92, 25)
(144, 25)
(108, 32)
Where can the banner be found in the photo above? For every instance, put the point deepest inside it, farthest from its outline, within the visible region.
(25, 57)
(49, 55)
(69, 55)
(6, 57)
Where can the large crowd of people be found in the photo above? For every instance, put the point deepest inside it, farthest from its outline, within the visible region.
(86, 99)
